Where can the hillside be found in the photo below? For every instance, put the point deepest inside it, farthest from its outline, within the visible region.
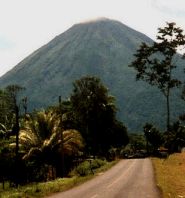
(103, 48)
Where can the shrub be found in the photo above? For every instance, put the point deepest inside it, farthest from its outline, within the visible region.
(97, 163)
(83, 169)
(87, 167)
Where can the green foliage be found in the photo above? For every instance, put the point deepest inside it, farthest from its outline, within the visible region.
(43, 143)
(44, 189)
(94, 110)
(88, 167)
(83, 169)
(136, 142)
(7, 161)
(175, 139)
(155, 63)
(40, 149)
(153, 136)
(105, 51)
(97, 163)
(9, 106)
(119, 137)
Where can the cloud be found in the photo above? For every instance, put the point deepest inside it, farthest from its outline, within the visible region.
(28, 25)
(170, 7)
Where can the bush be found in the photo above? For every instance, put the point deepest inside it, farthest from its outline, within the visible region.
(83, 169)
(97, 163)
(87, 167)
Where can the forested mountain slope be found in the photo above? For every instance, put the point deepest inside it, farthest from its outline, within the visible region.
(102, 48)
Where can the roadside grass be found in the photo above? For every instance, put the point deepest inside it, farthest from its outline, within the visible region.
(170, 175)
(44, 189)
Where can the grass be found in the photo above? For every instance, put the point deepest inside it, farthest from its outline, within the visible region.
(47, 188)
(170, 175)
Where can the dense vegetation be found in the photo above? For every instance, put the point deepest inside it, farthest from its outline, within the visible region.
(78, 134)
(48, 144)
(156, 64)
(44, 189)
(102, 48)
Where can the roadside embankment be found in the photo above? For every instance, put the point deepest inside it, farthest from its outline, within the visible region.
(170, 175)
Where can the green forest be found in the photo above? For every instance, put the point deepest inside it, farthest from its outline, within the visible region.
(46, 144)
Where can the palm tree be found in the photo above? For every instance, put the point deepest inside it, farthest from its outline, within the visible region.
(73, 142)
(40, 139)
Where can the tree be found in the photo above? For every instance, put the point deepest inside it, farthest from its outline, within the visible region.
(7, 159)
(3, 108)
(155, 64)
(136, 142)
(12, 92)
(153, 136)
(7, 109)
(94, 111)
(175, 140)
(119, 137)
(40, 140)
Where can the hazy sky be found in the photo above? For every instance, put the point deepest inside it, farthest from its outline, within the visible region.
(26, 25)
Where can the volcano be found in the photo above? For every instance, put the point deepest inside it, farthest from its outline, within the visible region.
(103, 48)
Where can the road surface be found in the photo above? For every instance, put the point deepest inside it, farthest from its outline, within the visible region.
(132, 178)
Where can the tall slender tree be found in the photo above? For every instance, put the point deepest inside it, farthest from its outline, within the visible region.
(155, 63)
(12, 92)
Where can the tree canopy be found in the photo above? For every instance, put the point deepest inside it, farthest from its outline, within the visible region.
(155, 64)
(95, 111)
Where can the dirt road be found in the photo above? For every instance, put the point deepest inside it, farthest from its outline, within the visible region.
(131, 178)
